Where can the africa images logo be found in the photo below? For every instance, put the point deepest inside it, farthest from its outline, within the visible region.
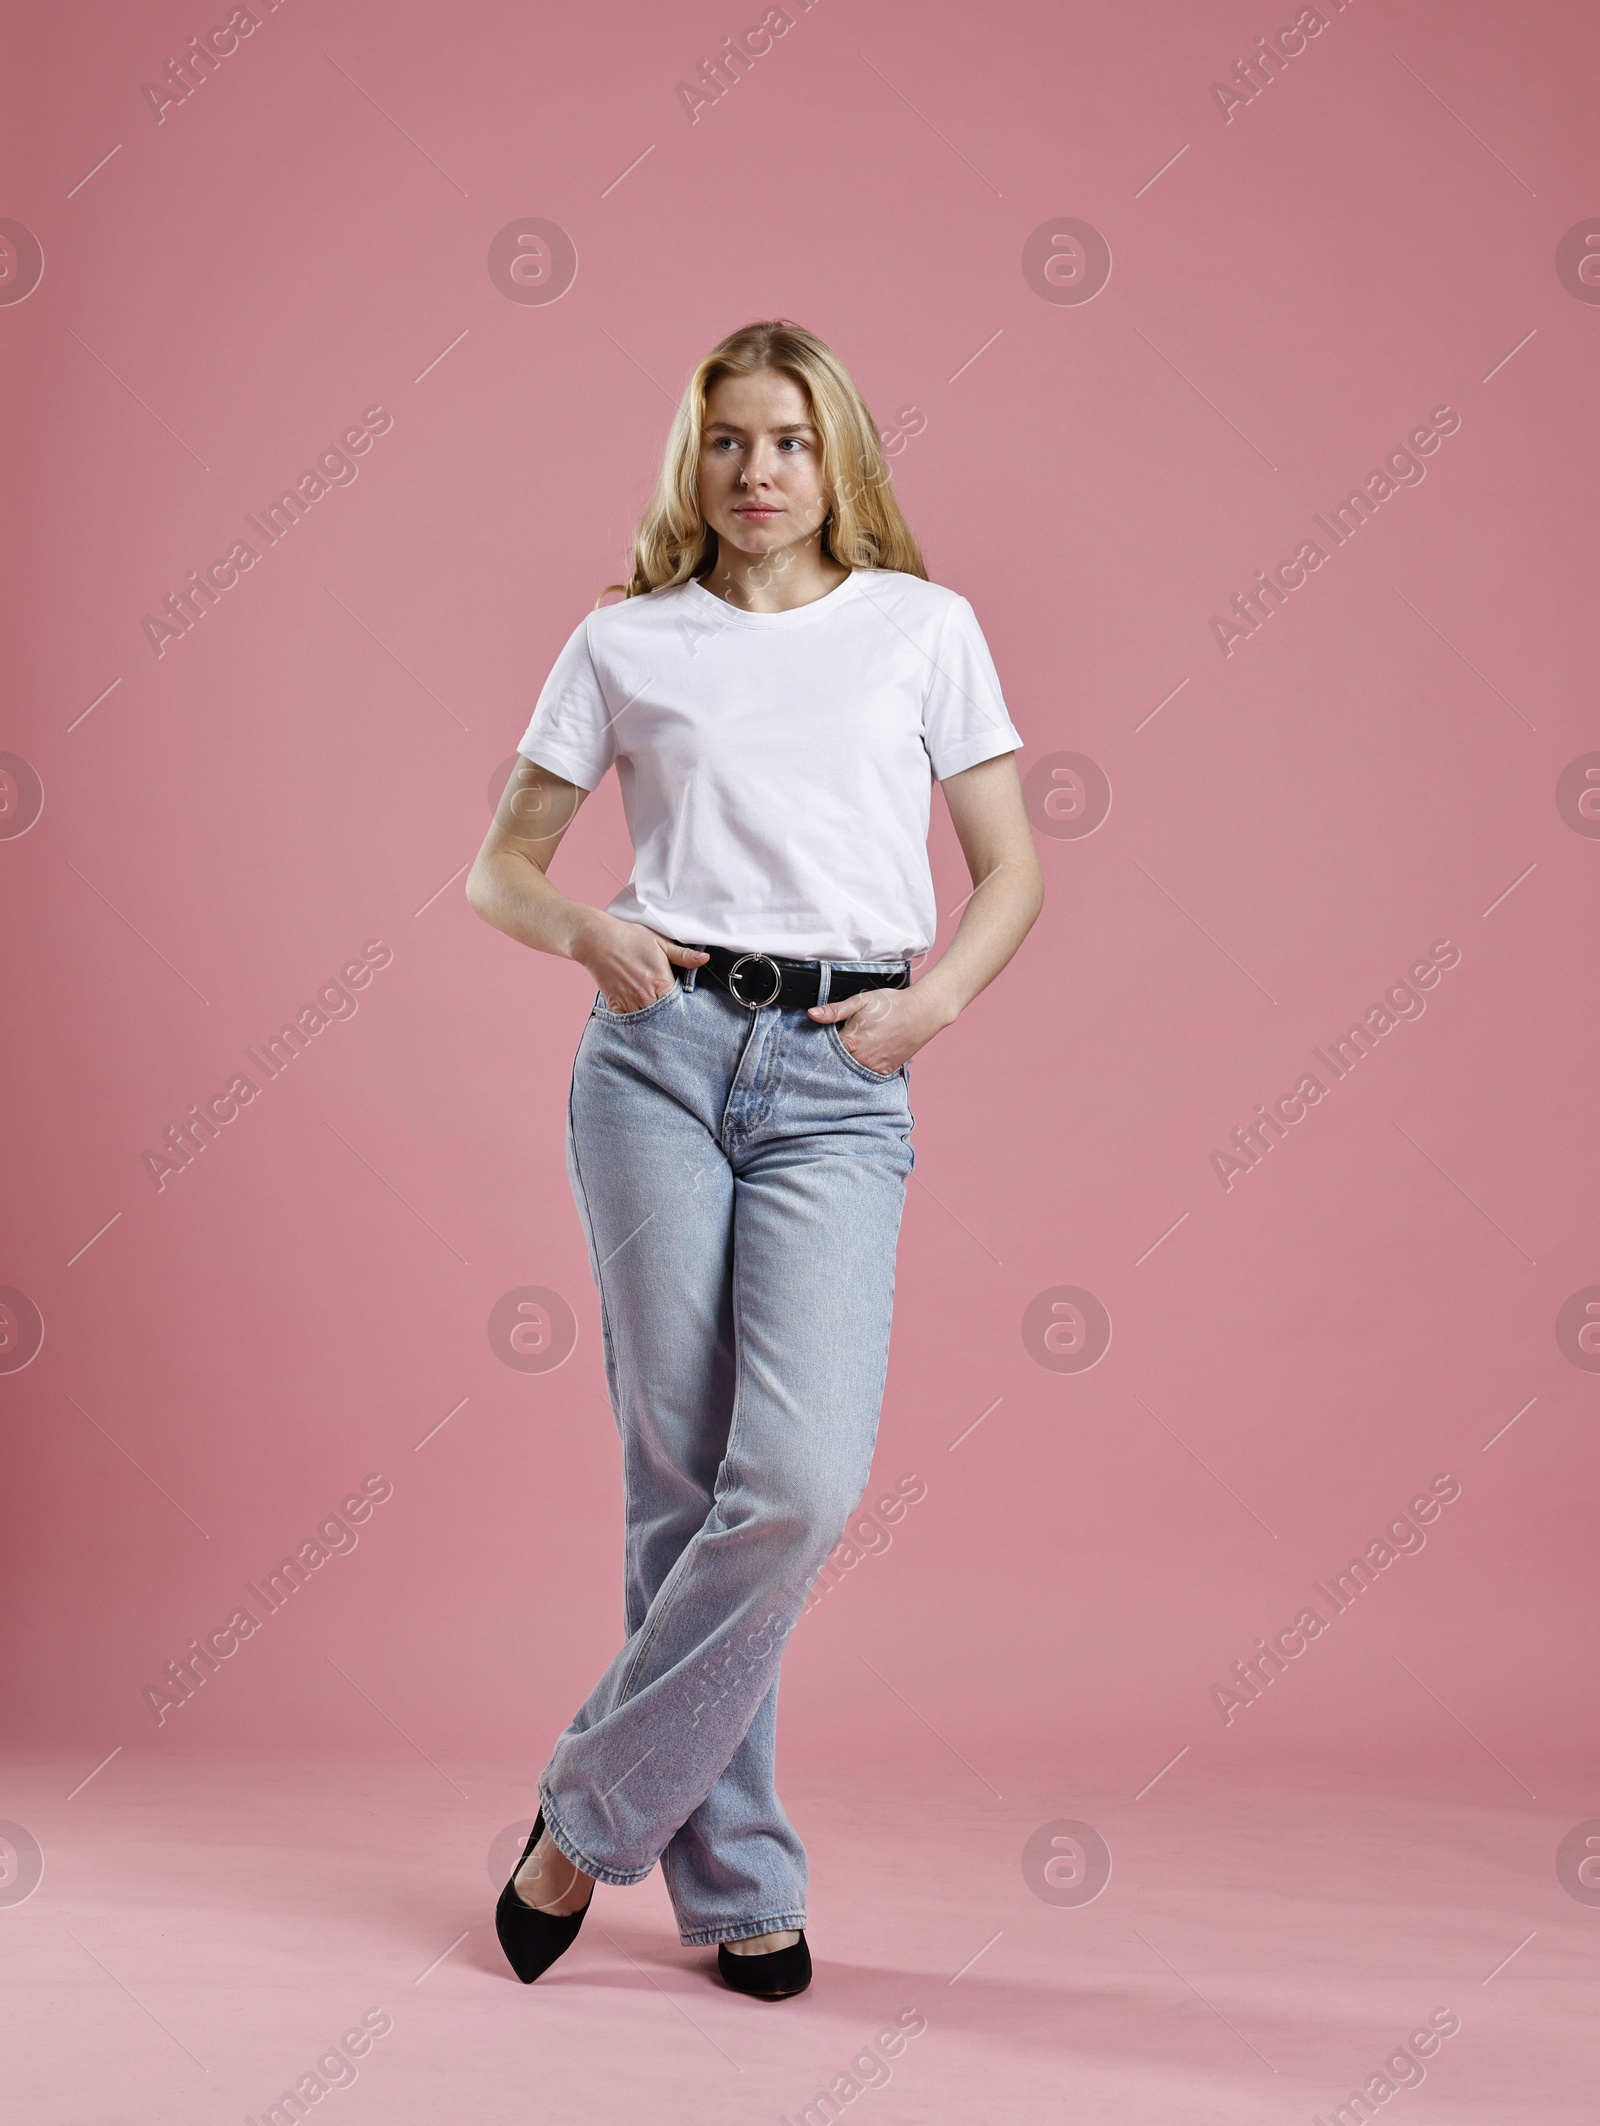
(336, 467)
(21, 262)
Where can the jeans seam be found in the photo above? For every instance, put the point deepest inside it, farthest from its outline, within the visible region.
(563, 1841)
(744, 1930)
(679, 1565)
(659, 1602)
(613, 1370)
(584, 1211)
(736, 1414)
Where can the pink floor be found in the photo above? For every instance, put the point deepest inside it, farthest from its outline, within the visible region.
(207, 1926)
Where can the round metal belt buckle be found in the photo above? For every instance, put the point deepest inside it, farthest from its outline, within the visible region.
(750, 959)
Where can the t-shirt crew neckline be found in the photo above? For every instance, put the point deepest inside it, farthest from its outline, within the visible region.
(795, 616)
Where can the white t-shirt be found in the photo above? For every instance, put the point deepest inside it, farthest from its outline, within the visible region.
(776, 768)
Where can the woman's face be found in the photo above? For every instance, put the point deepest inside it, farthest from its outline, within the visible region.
(761, 485)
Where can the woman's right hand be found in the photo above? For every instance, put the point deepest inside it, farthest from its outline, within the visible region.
(632, 966)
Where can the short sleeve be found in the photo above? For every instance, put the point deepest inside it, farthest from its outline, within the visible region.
(964, 715)
(570, 733)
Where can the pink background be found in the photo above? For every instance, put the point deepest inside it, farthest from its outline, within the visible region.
(1293, 827)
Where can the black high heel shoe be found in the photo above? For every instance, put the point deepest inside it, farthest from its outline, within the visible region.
(533, 1940)
(773, 1977)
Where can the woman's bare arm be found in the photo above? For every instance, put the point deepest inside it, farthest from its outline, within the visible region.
(509, 887)
(991, 823)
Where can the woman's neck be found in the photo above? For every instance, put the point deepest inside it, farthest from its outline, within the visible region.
(776, 582)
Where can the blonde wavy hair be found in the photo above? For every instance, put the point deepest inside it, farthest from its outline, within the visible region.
(863, 528)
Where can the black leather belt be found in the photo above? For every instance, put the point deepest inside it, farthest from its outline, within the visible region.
(757, 978)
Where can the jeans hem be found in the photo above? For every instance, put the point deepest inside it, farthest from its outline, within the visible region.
(562, 1839)
(747, 1930)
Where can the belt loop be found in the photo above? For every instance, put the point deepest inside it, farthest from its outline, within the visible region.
(823, 980)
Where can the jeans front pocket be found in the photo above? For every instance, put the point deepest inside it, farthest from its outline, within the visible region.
(873, 1077)
(602, 1010)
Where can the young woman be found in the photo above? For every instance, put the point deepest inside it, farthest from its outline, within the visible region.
(778, 689)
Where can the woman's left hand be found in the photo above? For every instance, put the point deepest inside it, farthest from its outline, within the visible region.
(884, 1028)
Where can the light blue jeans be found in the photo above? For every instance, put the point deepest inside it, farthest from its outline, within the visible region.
(740, 1177)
